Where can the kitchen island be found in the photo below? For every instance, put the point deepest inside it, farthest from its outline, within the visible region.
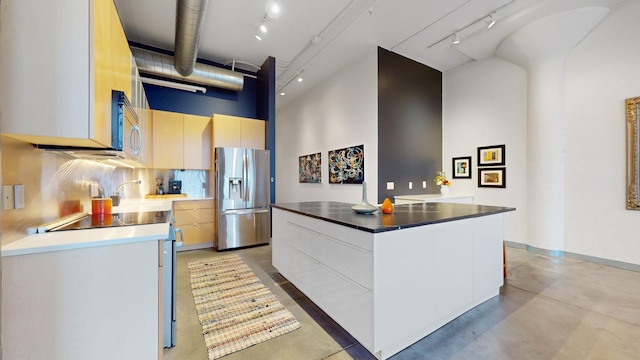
(390, 279)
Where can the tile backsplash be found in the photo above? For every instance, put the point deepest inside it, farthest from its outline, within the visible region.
(51, 179)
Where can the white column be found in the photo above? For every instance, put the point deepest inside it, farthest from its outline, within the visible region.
(542, 48)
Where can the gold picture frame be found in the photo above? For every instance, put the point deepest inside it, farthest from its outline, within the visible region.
(633, 155)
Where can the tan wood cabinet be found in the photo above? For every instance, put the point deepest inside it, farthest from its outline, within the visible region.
(197, 142)
(181, 141)
(196, 219)
(65, 96)
(234, 131)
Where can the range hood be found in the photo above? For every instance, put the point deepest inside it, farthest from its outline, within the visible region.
(115, 157)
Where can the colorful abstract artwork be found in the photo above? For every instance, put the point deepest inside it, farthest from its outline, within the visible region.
(310, 168)
(346, 166)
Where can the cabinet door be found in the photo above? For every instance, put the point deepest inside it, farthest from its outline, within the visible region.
(103, 80)
(120, 56)
(197, 142)
(252, 134)
(168, 128)
(148, 138)
(226, 131)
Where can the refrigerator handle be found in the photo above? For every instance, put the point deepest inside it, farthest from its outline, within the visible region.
(245, 197)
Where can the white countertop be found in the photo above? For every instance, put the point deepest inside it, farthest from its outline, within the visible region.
(78, 239)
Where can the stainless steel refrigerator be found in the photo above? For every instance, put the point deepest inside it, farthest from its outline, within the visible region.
(242, 197)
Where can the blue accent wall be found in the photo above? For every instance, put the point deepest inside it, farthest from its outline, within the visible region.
(218, 101)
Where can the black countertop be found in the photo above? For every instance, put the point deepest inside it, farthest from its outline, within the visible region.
(404, 216)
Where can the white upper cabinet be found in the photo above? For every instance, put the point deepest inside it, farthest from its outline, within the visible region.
(60, 61)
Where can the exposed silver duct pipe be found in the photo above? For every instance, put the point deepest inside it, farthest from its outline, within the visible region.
(189, 22)
(150, 62)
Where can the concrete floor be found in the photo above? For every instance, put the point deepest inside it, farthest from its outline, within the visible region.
(549, 308)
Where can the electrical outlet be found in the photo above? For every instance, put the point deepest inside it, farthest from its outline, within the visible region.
(424, 184)
(7, 197)
(410, 185)
(390, 185)
(18, 196)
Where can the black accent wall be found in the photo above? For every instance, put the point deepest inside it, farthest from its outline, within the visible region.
(266, 109)
(409, 125)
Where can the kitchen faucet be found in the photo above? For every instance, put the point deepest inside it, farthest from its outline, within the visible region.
(115, 198)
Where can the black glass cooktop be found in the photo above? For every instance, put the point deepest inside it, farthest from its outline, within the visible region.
(114, 220)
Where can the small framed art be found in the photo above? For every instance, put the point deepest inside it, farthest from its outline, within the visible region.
(462, 167)
(491, 155)
(492, 177)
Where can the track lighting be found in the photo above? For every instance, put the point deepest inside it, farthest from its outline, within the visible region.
(490, 21)
(456, 38)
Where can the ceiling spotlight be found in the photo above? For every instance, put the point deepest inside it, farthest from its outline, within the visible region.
(299, 78)
(258, 37)
(273, 9)
(490, 21)
(263, 28)
(282, 94)
(456, 38)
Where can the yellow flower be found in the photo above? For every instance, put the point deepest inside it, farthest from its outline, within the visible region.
(441, 179)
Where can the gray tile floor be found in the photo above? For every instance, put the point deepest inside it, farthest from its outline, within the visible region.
(549, 308)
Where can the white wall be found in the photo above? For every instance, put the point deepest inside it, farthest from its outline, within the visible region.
(485, 103)
(601, 72)
(341, 112)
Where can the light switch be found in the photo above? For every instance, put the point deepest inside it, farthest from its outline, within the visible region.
(7, 197)
(390, 185)
(410, 185)
(18, 196)
(424, 184)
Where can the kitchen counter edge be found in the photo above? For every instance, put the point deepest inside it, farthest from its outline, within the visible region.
(420, 214)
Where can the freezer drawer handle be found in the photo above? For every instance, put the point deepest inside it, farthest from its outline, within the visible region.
(244, 212)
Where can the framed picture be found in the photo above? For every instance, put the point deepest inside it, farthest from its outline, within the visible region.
(310, 168)
(346, 166)
(491, 155)
(492, 177)
(462, 167)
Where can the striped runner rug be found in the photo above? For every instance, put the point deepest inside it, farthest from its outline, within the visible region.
(235, 309)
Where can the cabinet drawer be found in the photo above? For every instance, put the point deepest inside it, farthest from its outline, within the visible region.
(192, 204)
(197, 233)
(186, 217)
(351, 261)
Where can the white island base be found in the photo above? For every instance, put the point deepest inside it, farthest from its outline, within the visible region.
(389, 289)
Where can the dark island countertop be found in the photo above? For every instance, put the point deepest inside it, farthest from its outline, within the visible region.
(403, 216)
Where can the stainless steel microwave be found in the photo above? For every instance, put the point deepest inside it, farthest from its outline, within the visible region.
(126, 133)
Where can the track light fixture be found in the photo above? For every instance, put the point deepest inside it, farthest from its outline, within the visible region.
(273, 9)
(456, 38)
(490, 21)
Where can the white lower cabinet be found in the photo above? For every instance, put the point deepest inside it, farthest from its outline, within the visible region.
(99, 303)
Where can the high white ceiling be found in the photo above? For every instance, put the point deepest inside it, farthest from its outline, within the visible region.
(316, 38)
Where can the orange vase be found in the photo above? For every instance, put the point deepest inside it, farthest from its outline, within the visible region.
(387, 206)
